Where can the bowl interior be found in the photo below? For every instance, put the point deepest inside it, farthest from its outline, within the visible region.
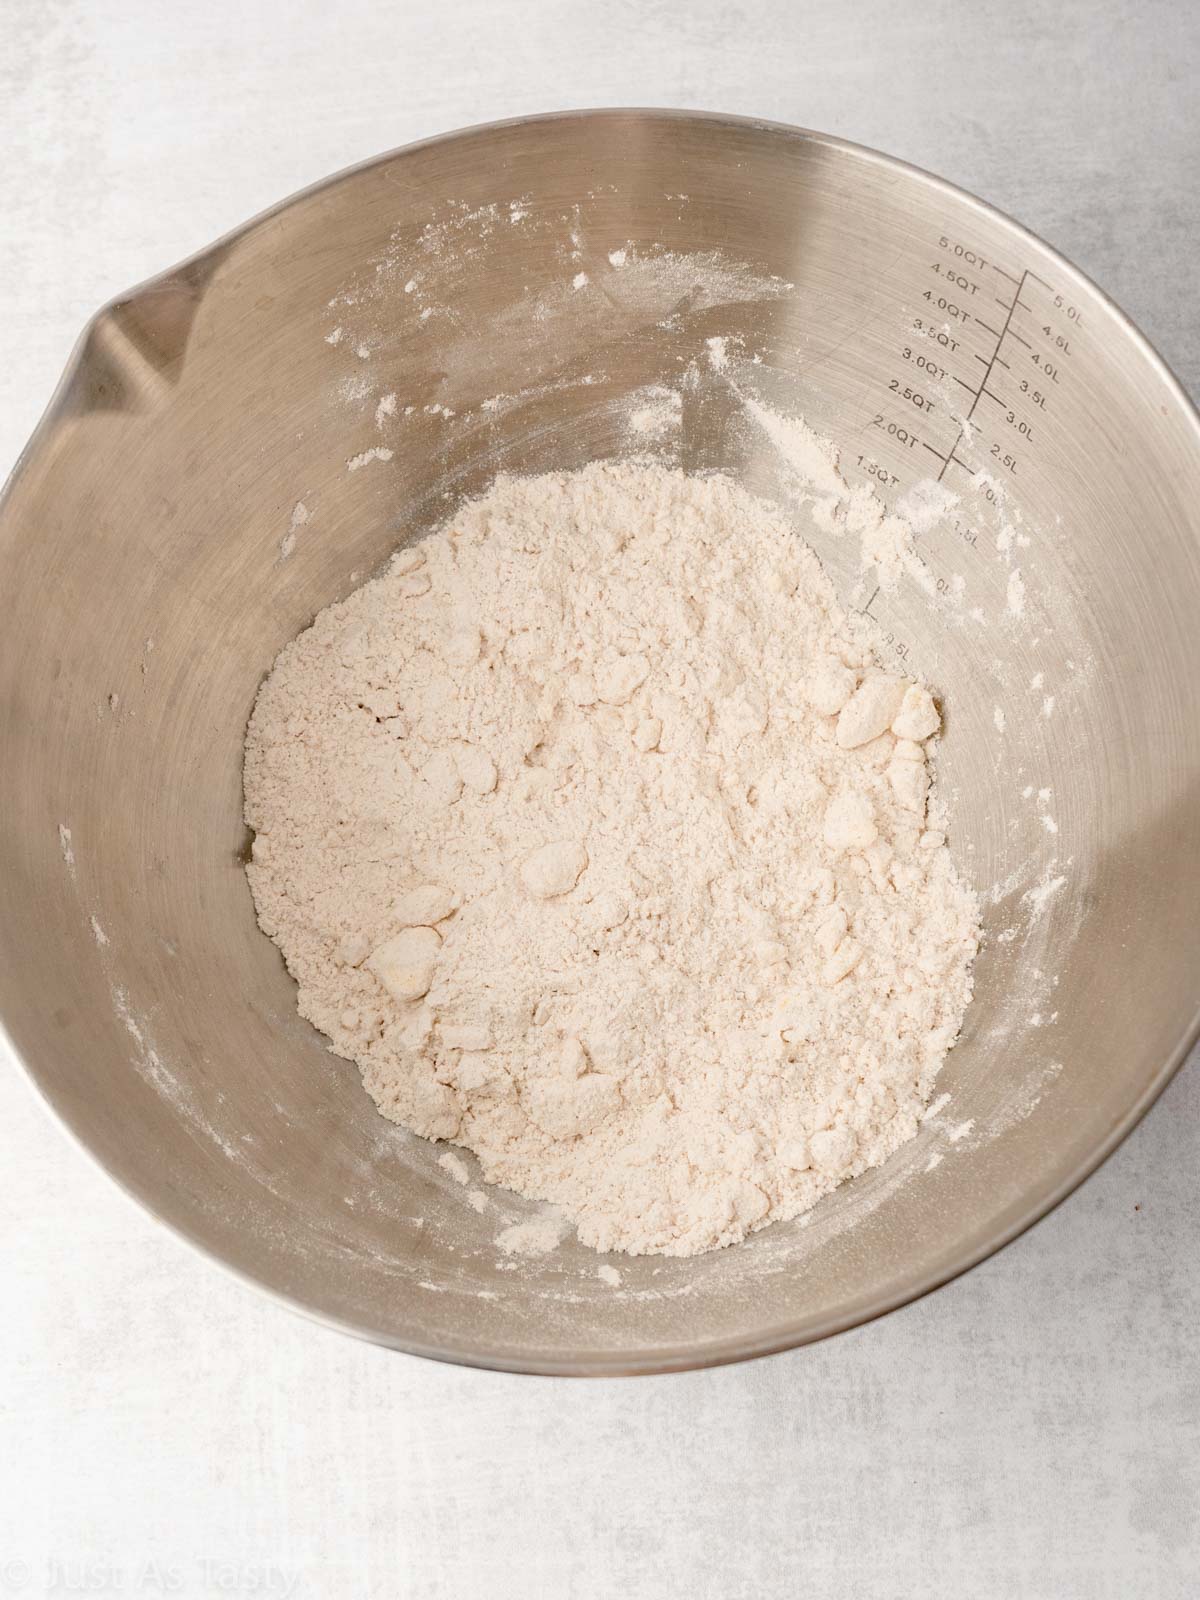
(217, 467)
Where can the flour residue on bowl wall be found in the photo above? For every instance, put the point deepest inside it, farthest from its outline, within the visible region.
(600, 295)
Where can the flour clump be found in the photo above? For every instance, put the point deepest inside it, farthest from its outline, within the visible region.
(596, 833)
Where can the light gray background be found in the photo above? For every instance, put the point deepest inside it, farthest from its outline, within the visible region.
(1029, 1433)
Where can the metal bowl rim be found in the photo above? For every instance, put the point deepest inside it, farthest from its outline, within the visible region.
(717, 1352)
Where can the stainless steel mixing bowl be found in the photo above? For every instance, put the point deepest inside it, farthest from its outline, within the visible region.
(187, 505)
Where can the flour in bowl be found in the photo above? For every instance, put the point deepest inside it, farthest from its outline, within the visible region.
(596, 834)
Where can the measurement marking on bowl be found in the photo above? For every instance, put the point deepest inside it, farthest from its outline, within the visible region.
(1010, 367)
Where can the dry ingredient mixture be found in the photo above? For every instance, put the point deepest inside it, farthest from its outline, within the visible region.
(596, 835)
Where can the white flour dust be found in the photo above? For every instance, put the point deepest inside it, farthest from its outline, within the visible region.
(596, 835)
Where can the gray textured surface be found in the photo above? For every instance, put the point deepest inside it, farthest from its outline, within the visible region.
(1030, 1432)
